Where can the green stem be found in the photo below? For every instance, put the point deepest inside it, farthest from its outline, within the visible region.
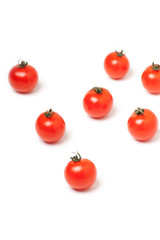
(22, 64)
(155, 67)
(97, 90)
(120, 54)
(76, 158)
(139, 111)
(49, 113)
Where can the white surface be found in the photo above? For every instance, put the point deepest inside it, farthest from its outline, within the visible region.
(67, 41)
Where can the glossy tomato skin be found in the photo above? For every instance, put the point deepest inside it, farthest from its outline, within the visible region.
(98, 105)
(24, 79)
(143, 127)
(151, 80)
(50, 129)
(80, 175)
(115, 66)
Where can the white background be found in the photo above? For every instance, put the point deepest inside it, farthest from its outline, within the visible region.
(67, 41)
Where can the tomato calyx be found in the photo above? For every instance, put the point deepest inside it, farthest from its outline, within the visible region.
(120, 54)
(155, 67)
(49, 113)
(97, 90)
(76, 158)
(139, 111)
(22, 64)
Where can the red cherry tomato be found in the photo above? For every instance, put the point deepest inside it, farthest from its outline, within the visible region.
(23, 77)
(50, 126)
(80, 173)
(143, 124)
(116, 65)
(151, 78)
(98, 102)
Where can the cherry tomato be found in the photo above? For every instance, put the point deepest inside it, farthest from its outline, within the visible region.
(151, 78)
(98, 102)
(23, 77)
(50, 126)
(143, 124)
(116, 65)
(80, 173)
